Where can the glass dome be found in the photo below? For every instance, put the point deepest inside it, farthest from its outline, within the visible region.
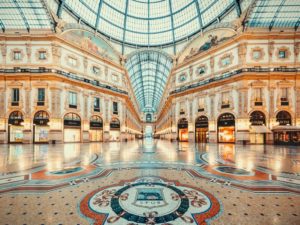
(148, 22)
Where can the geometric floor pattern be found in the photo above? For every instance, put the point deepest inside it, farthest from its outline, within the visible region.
(132, 187)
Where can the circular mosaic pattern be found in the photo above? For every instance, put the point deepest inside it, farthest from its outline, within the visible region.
(66, 171)
(233, 170)
(149, 201)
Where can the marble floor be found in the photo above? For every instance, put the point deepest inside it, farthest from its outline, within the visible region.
(149, 182)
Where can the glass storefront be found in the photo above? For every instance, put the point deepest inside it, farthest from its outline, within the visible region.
(183, 132)
(201, 129)
(15, 127)
(226, 128)
(258, 129)
(114, 134)
(96, 129)
(72, 128)
(40, 127)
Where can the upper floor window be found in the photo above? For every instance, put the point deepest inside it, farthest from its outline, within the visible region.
(115, 108)
(182, 77)
(225, 98)
(42, 55)
(256, 54)
(258, 94)
(97, 104)
(282, 54)
(201, 70)
(115, 77)
(41, 96)
(226, 61)
(17, 55)
(72, 99)
(72, 61)
(96, 70)
(15, 95)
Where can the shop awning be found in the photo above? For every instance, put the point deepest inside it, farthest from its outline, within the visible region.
(260, 129)
(286, 128)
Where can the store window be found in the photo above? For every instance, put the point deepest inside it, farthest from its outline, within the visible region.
(41, 96)
(96, 104)
(72, 99)
(15, 97)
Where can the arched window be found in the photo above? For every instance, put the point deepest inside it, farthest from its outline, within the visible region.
(96, 122)
(72, 119)
(284, 118)
(16, 118)
(202, 121)
(41, 118)
(257, 118)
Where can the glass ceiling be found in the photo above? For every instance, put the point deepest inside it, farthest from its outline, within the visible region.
(147, 22)
(24, 14)
(149, 71)
(275, 13)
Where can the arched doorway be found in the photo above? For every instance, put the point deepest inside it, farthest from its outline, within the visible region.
(258, 128)
(285, 133)
(96, 128)
(115, 133)
(41, 127)
(15, 127)
(72, 128)
(183, 132)
(284, 118)
(226, 128)
(201, 129)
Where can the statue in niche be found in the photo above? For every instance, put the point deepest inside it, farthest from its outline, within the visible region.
(213, 40)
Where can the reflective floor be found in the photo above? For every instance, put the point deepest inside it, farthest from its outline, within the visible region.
(149, 182)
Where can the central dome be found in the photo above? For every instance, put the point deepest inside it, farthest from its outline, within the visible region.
(148, 22)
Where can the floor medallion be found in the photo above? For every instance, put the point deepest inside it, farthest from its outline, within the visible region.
(150, 201)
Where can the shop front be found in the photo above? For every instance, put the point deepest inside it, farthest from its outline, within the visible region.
(15, 127)
(41, 127)
(72, 128)
(258, 129)
(114, 134)
(285, 133)
(226, 128)
(96, 129)
(201, 129)
(183, 131)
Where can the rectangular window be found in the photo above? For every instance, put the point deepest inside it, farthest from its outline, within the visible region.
(97, 104)
(226, 61)
(201, 103)
(72, 100)
(17, 55)
(15, 95)
(41, 96)
(282, 54)
(225, 98)
(258, 94)
(115, 108)
(201, 70)
(182, 108)
(96, 70)
(284, 94)
(42, 55)
(72, 61)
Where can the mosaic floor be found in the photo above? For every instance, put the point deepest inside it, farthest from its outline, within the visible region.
(149, 182)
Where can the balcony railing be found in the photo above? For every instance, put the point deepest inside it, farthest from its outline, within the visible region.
(115, 112)
(225, 106)
(284, 103)
(182, 113)
(96, 109)
(232, 74)
(200, 109)
(72, 106)
(40, 103)
(258, 103)
(64, 74)
(16, 103)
